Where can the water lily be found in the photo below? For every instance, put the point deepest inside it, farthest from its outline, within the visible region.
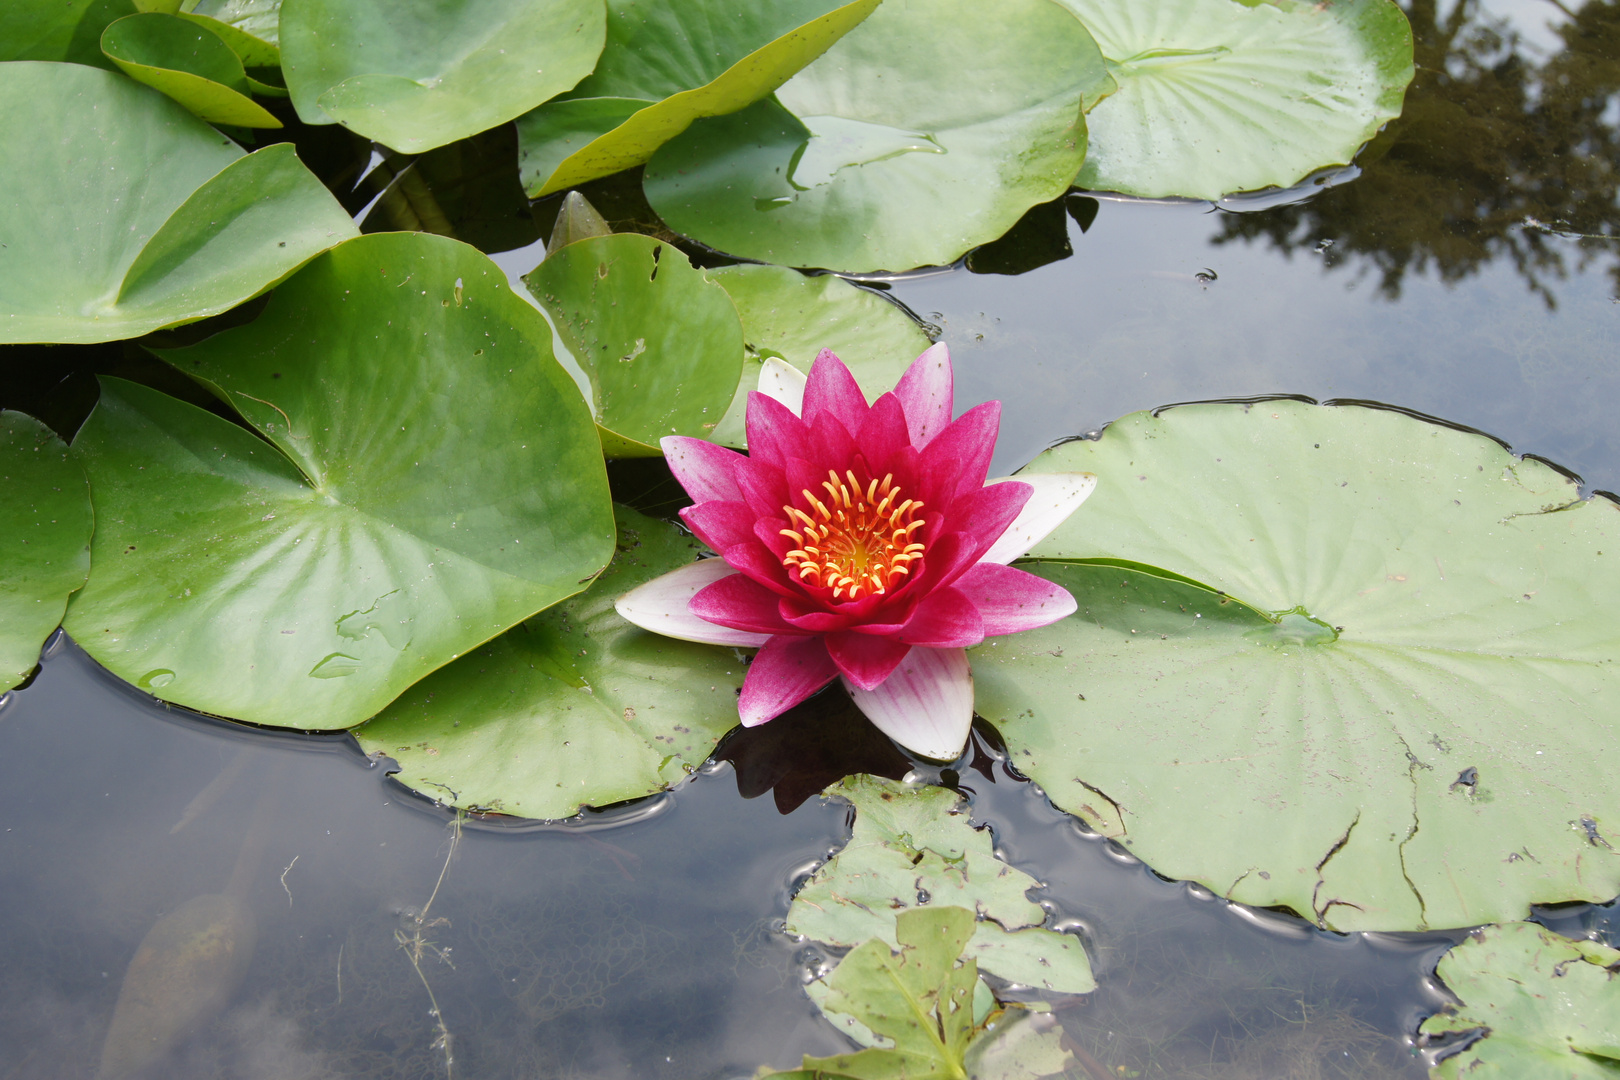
(860, 542)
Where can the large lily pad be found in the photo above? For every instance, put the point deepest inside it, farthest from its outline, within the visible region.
(913, 847)
(1547, 1006)
(420, 476)
(415, 74)
(62, 30)
(189, 62)
(44, 539)
(574, 708)
(793, 316)
(1217, 96)
(664, 66)
(914, 138)
(660, 342)
(259, 20)
(1390, 715)
(123, 213)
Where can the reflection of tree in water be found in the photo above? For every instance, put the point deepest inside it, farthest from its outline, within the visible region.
(1491, 153)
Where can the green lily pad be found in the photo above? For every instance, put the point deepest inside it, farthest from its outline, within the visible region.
(793, 316)
(258, 21)
(126, 214)
(914, 138)
(58, 30)
(659, 341)
(915, 847)
(666, 65)
(44, 538)
(1389, 715)
(420, 476)
(415, 74)
(1217, 96)
(1548, 1006)
(576, 707)
(188, 62)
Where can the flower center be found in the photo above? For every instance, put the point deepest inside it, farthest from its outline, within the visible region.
(858, 542)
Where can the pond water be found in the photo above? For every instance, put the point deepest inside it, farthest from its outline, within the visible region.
(1465, 269)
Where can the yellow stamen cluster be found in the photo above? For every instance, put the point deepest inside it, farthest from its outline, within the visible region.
(858, 542)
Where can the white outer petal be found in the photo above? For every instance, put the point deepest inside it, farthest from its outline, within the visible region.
(1057, 495)
(661, 606)
(783, 382)
(926, 705)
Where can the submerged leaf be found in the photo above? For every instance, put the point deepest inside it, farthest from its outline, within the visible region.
(190, 63)
(420, 476)
(1385, 717)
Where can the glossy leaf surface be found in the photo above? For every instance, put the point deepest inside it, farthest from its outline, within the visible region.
(190, 63)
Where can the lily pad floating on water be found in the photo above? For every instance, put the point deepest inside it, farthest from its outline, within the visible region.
(1387, 717)
(659, 342)
(257, 20)
(44, 539)
(575, 707)
(1219, 96)
(912, 847)
(665, 65)
(793, 316)
(420, 476)
(916, 137)
(415, 74)
(188, 62)
(126, 214)
(1546, 1006)
(58, 30)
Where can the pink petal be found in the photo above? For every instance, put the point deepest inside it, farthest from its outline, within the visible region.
(1010, 600)
(863, 660)
(756, 562)
(926, 705)
(963, 450)
(1055, 496)
(785, 672)
(946, 619)
(774, 432)
(806, 616)
(925, 392)
(741, 603)
(720, 523)
(883, 438)
(947, 559)
(781, 381)
(662, 605)
(831, 388)
(703, 468)
(763, 486)
(768, 531)
(832, 442)
(987, 513)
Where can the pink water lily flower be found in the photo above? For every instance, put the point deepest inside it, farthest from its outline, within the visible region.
(860, 542)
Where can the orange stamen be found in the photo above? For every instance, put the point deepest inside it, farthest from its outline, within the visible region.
(858, 543)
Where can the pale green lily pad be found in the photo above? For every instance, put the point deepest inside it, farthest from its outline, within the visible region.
(415, 74)
(793, 316)
(1548, 1006)
(257, 20)
(666, 65)
(58, 30)
(44, 539)
(916, 137)
(660, 343)
(915, 847)
(124, 213)
(1218, 96)
(1391, 718)
(190, 63)
(420, 476)
(574, 708)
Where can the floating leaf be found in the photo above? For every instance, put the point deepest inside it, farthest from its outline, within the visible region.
(666, 65)
(1387, 717)
(913, 847)
(44, 539)
(660, 343)
(125, 213)
(1217, 96)
(793, 316)
(419, 74)
(916, 137)
(427, 477)
(256, 20)
(574, 708)
(188, 62)
(1547, 1006)
(58, 30)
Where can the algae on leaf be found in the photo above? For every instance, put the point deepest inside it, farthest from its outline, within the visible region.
(421, 475)
(575, 707)
(1335, 658)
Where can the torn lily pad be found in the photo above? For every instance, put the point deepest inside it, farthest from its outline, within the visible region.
(916, 847)
(1339, 659)
(573, 708)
